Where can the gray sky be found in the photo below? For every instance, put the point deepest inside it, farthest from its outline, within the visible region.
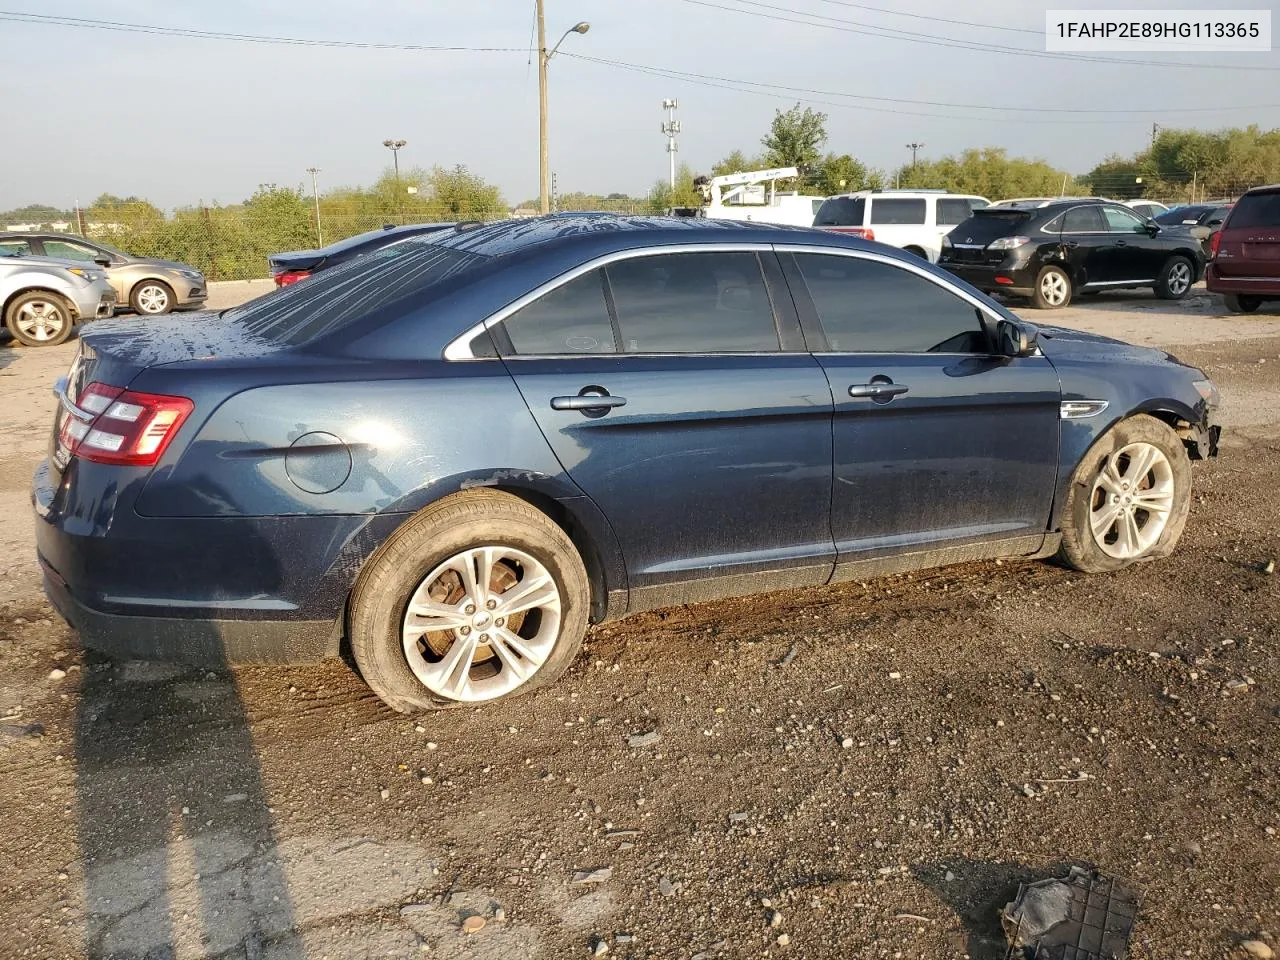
(182, 120)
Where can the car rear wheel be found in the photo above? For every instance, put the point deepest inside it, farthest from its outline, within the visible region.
(1053, 289)
(39, 319)
(1239, 303)
(1128, 498)
(152, 297)
(1175, 279)
(477, 598)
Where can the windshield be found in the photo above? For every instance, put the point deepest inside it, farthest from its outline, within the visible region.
(350, 292)
(989, 223)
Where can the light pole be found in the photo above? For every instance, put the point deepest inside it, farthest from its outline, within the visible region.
(671, 128)
(315, 193)
(394, 146)
(544, 57)
(913, 147)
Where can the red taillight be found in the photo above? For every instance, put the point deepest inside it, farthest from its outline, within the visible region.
(126, 427)
(1214, 242)
(286, 277)
(1007, 281)
(864, 233)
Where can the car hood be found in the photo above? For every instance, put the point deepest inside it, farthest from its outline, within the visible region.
(1065, 344)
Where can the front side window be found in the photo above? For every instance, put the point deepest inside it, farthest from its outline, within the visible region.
(68, 251)
(1083, 220)
(867, 306)
(572, 318)
(693, 303)
(889, 211)
(1120, 220)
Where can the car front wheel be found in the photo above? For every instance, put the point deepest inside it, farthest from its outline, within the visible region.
(1175, 280)
(1239, 303)
(152, 298)
(39, 319)
(477, 598)
(1053, 289)
(1128, 498)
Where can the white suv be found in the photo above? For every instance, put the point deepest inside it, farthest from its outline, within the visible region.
(915, 220)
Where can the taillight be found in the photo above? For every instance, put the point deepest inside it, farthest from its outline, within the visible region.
(122, 426)
(1214, 242)
(863, 233)
(287, 277)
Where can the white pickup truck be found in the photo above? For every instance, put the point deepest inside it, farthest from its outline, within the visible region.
(753, 196)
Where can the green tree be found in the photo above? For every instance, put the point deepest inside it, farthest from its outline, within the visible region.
(795, 138)
(844, 174)
(987, 171)
(36, 213)
(662, 198)
(736, 162)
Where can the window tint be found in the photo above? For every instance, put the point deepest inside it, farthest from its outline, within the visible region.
(1120, 220)
(1256, 210)
(952, 211)
(12, 247)
(1083, 220)
(68, 251)
(572, 318)
(898, 210)
(871, 307)
(693, 303)
(841, 212)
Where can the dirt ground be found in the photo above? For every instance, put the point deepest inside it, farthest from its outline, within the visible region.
(1002, 721)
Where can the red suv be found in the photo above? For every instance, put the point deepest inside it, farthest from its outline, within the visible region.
(1245, 267)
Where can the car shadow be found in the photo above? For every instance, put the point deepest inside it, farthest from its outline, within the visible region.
(176, 831)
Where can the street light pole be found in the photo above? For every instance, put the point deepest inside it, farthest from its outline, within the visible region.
(544, 57)
(913, 147)
(394, 146)
(315, 192)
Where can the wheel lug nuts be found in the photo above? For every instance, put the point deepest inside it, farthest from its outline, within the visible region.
(492, 604)
(465, 631)
(500, 621)
(484, 638)
(471, 608)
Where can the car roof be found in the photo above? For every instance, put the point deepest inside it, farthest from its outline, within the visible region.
(1269, 188)
(906, 194)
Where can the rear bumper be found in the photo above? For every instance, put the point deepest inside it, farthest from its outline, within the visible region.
(1267, 287)
(983, 276)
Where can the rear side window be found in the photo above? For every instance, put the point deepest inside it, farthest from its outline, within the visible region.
(573, 318)
(952, 211)
(898, 210)
(871, 307)
(693, 303)
(841, 212)
(349, 293)
(1083, 220)
(15, 248)
(1256, 210)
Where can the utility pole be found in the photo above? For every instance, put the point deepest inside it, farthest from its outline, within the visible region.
(1155, 129)
(913, 147)
(315, 193)
(394, 146)
(671, 127)
(544, 171)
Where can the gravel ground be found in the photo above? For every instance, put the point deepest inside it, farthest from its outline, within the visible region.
(880, 763)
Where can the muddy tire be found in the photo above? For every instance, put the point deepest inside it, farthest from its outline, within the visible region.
(1241, 303)
(1128, 498)
(1175, 280)
(1053, 289)
(477, 598)
(39, 319)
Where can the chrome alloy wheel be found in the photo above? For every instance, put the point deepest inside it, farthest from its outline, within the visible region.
(1053, 288)
(1131, 501)
(41, 320)
(482, 623)
(1180, 278)
(153, 298)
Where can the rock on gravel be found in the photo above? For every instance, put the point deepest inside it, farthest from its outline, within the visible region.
(638, 740)
(1257, 949)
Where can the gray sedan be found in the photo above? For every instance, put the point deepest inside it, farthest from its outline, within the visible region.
(148, 285)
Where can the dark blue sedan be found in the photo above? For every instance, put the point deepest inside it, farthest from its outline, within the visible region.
(457, 458)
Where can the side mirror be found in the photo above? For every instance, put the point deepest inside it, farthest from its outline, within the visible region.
(103, 260)
(1017, 339)
(1152, 228)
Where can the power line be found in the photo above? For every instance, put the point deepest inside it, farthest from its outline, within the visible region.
(931, 18)
(892, 33)
(123, 27)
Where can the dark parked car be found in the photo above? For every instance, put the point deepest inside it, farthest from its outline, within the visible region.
(1201, 220)
(1245, 267)
(1053, 251)
(288, 268)
(460, 456)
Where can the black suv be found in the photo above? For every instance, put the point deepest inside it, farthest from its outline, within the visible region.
(1051, 251)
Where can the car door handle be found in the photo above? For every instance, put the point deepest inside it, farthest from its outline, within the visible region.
(886, 391)
(1121, 243)
(1071, 243)
(587, 401)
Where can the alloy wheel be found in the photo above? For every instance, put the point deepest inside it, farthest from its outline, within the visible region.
(1053, 288)
(1179, 279)
(152, 299)
(1131, 501)
(41, 320)
(482, 623)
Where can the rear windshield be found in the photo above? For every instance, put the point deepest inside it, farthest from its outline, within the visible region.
(898, 210)
(841, 212)
(343, 295)
(1256, 210)
(1182, 215)
(988, 224)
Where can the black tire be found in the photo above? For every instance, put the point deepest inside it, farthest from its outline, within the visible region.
(1045, 302)
(1241, 303)
(1079, 548)
(1176, 278)
(53, 328)
(440, 531)
(146, 293)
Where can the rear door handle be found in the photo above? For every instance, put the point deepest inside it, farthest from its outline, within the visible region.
(587, 401)
(1121, 243)
(885, 391)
